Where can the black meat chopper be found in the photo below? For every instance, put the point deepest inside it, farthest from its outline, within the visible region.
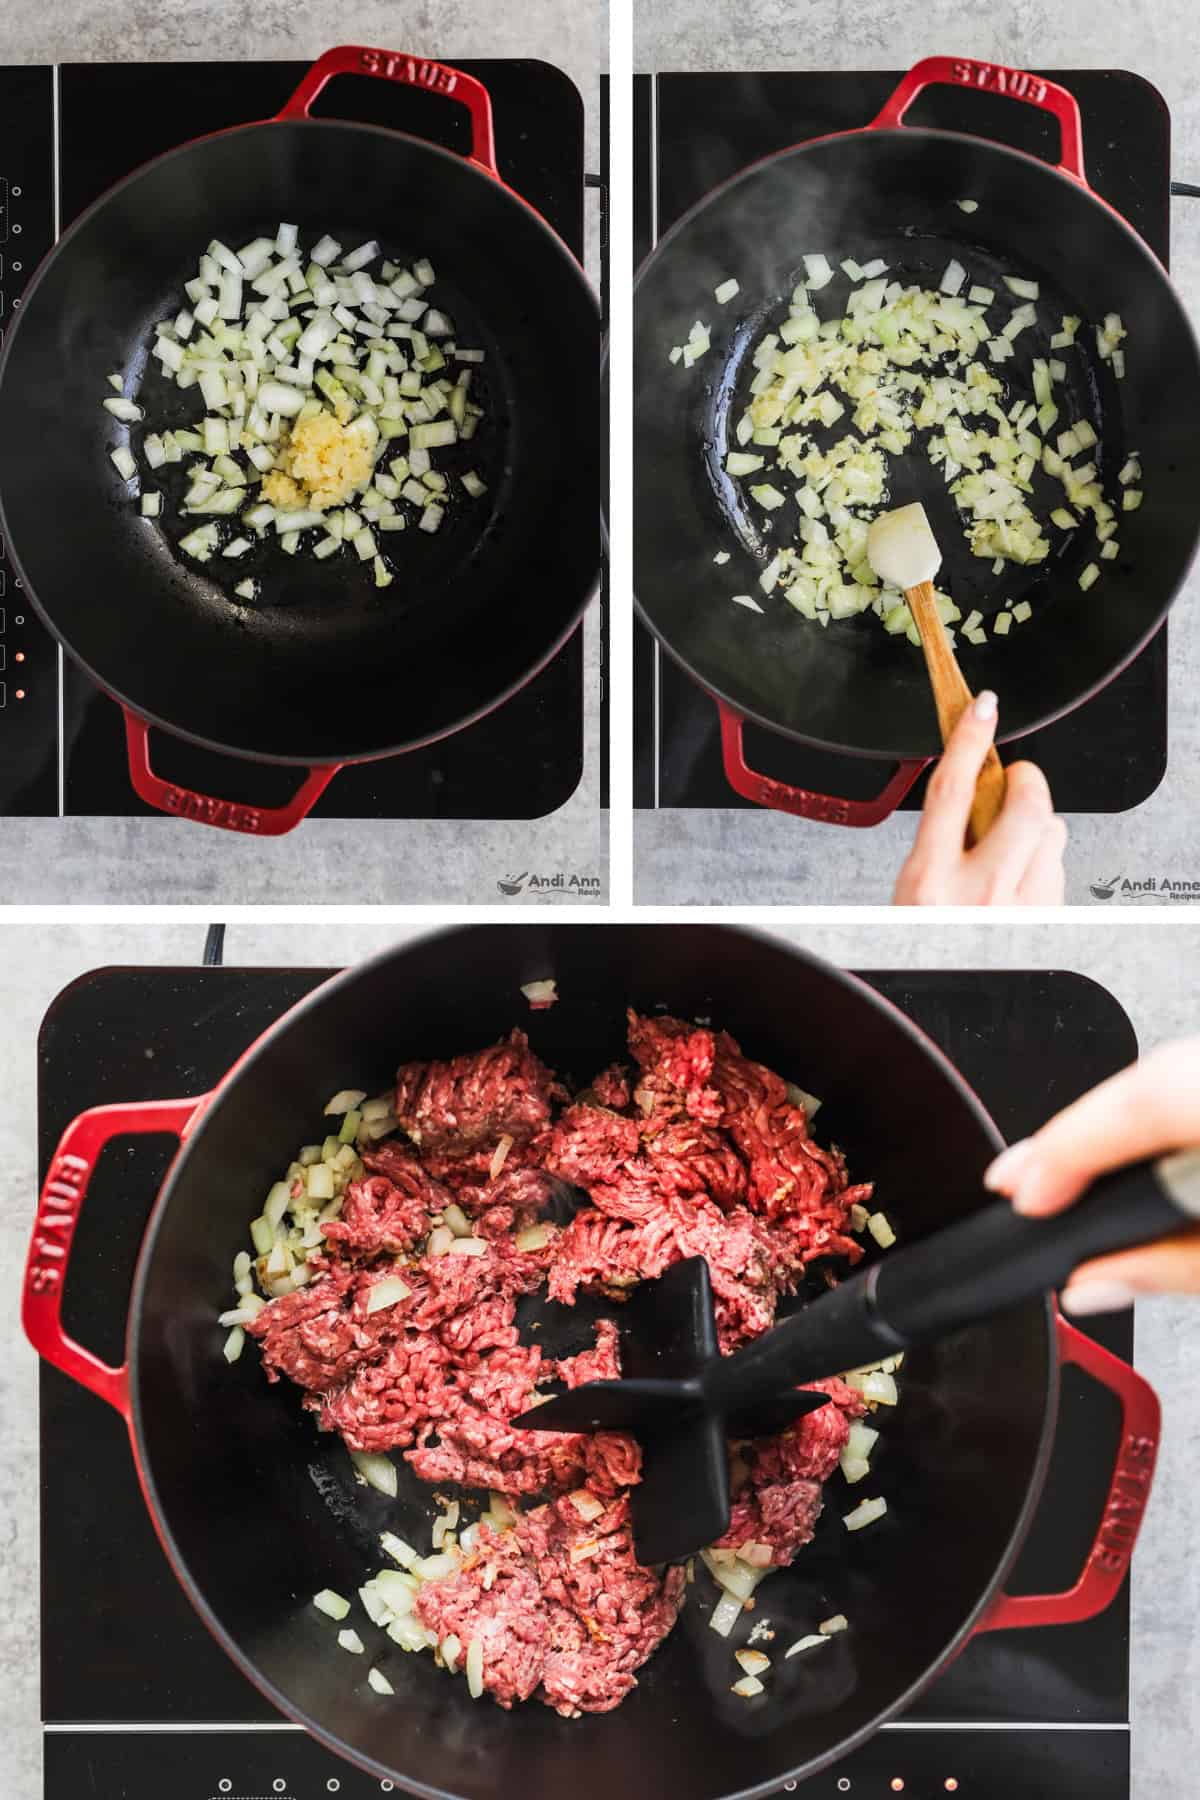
(682, 1399)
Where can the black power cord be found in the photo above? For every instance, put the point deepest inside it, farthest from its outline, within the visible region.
(214, 946)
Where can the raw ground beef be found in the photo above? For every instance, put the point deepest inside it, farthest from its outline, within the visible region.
(698, 1151)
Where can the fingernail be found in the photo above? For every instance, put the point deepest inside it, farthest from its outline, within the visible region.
(1083, 1298)
(1007, 1167)
(986, 705)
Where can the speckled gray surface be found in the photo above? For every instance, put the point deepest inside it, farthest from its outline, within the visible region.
(726, 857)
(414, 862)
(1142, 969)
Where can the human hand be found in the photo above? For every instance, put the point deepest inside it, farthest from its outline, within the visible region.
(1146, 1110)
(1019, 862)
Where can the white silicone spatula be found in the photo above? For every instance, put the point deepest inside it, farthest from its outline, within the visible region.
(903, 551)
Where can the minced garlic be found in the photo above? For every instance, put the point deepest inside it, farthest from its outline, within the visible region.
(321, 465)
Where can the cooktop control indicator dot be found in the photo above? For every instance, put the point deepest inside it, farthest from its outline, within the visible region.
(897, 1784)
(844, 1784)
(279, 1784)
(225, 1785)
(950, 1785)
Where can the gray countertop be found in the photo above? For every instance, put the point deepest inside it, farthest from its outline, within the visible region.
(1142, 969)
(731, 856)
(412, 862)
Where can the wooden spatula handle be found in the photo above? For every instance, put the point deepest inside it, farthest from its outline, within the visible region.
(952, 696)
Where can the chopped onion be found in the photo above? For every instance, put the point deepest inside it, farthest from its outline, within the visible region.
(865, 1514)
(124, 461)
(878, 1224)
(436, 1567)
(534, 1237)
(817, 272)
(457, 1220)
(475, 1668)
(385, 1293)
(748, 1687)
(725, 1614)
(759, 1556)
(725, 292)
(540, 994)
(880, 1388)
(244, 1314)
(862, 1439)
(379, 1682)
(741, 463)
(445, 1521)
(500, 1156)
(748, 601)
(805, 1643)
(829, 1627)
(752, 1661)
(967, 206)
(501, 1511)
(399, 1551)
(468, 1246)
(350, 1640)
(1089, 576)
(377, 1471)
(332, 1604)
(735, 1577)
(234, 1344)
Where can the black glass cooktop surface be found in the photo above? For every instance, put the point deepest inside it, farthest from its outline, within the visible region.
(66, 135)
(693, 131)
(140, 1704)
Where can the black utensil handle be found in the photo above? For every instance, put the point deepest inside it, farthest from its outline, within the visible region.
(991, 1260)
(997, 1258)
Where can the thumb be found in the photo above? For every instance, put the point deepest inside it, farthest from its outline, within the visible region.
(1152, 1106)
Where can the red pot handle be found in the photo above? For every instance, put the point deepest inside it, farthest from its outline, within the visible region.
(228, 815)
(59, 1207)
(764, 790)
(412, 71)
(993, 78)
(1129, 1491)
